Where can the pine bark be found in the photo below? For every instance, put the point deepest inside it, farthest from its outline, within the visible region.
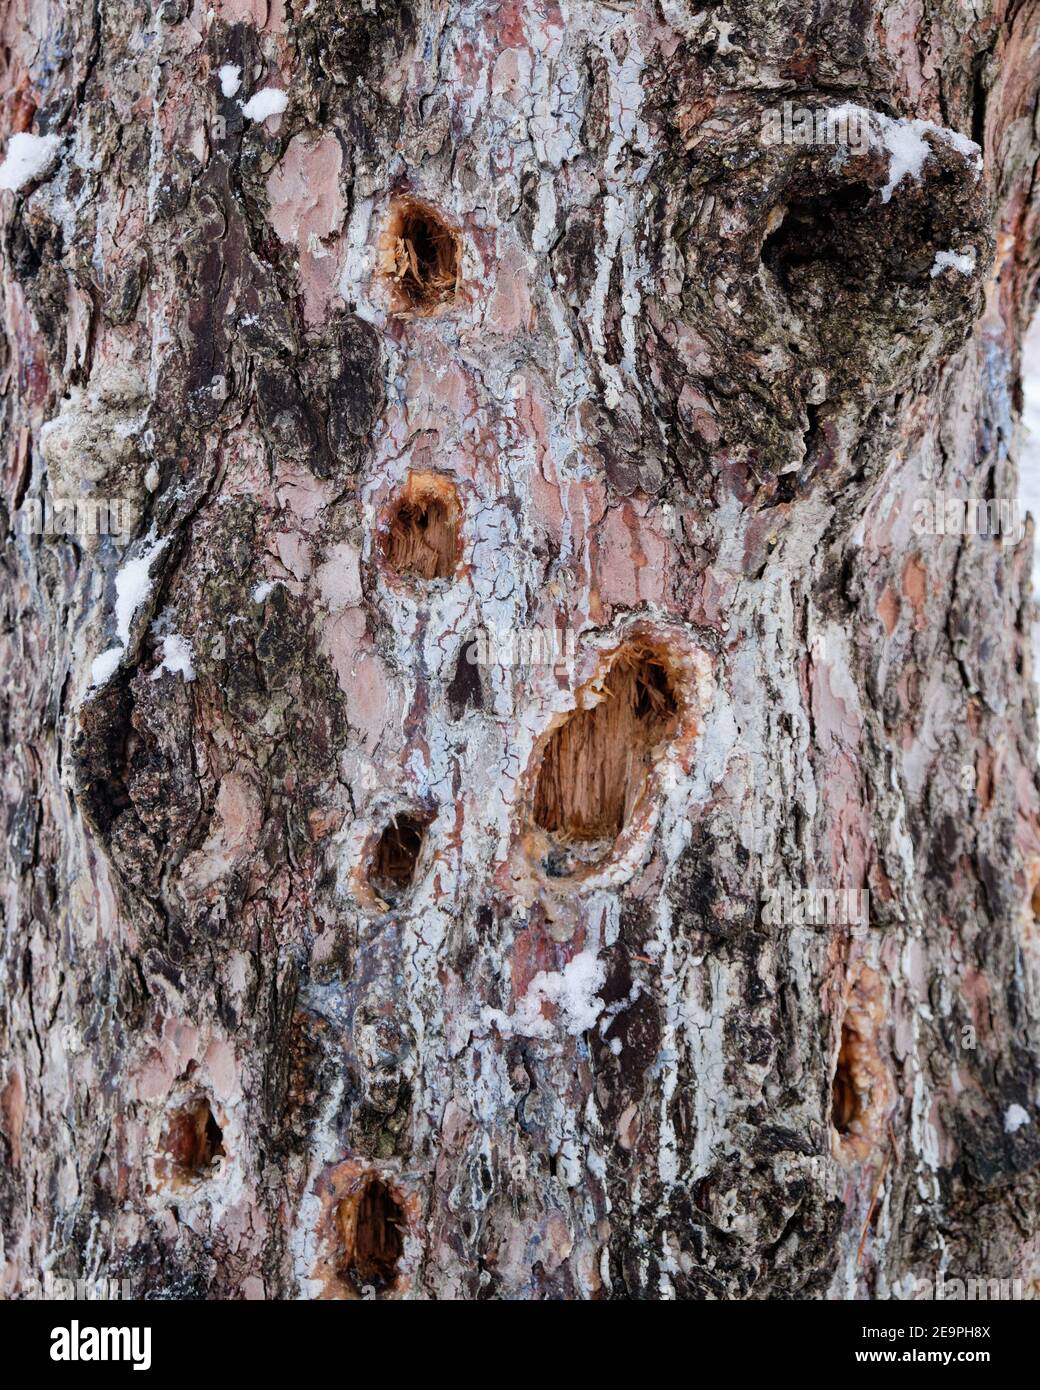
(511, 328)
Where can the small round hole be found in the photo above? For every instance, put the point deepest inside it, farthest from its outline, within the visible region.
(392, 870)
(423, 538)
(421, 259)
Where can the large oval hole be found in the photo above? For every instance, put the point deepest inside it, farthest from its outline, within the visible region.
(392, 869)
(846, 1101)
(594, 767)
(371, 1224)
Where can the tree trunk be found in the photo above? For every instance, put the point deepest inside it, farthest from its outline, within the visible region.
(517, 782)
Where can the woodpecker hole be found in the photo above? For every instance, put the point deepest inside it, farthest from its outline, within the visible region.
(423, 540)
(846, 1101)
(190, 1144)
(595, 766)
(421, 259)
(371, 1224)
(392, 870)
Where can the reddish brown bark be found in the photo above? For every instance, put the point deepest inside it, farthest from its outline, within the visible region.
(511, 346)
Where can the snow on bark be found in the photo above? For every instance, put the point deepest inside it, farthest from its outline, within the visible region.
(26, 158)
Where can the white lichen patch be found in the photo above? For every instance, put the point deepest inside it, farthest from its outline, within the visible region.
(96, 435)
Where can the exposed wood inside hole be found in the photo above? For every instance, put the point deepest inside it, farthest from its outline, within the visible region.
(846, 1102)
(190, 1144)
(421, 258)
(370, 1225)
(423, 540)
(392, 870)
(595, 766)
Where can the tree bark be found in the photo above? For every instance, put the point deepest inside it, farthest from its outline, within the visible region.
(522, 595)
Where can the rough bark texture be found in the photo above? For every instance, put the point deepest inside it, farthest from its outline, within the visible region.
(514, 321)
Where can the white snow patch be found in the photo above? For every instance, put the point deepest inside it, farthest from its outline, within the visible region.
(103, 665)
(609, 1015)
(964, 261)
(269, 101)
(572, 990)
(177, 657)
(27, 157)
(132, 588)
(1015, 1117)
(263, 589)
(904, 140)
(230, 78)
(908, 150)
